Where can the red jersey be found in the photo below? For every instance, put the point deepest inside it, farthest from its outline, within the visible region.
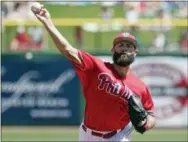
(105, 110)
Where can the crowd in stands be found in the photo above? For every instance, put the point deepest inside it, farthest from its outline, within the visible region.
(31, 38)
(147, 9)
(25, 38)
(17, 10)
(176, 9)
(132, 12)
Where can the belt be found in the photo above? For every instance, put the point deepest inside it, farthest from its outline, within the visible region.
(105, 136)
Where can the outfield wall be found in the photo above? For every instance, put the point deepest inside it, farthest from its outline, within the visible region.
(44, 89)
(41, 91)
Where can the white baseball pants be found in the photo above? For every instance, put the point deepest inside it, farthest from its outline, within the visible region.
(120, 136)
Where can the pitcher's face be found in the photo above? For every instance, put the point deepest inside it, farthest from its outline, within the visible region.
(124, 53)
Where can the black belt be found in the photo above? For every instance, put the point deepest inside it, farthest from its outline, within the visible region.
(105, 136)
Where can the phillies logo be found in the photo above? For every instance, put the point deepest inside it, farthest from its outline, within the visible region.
(111, 86)
(165, 79)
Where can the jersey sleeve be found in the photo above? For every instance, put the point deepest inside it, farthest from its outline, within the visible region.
(86, 68)
(147, 101)
(87, 61)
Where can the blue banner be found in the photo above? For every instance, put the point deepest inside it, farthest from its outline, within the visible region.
(43, 91)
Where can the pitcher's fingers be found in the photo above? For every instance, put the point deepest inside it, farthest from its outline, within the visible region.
(44, 12)
(38, 16)
(44, 9)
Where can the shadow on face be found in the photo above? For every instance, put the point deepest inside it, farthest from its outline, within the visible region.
(124, 47)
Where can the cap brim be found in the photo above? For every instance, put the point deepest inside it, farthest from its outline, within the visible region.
(125, 39)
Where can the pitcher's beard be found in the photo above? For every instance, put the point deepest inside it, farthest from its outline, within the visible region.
(123, 59)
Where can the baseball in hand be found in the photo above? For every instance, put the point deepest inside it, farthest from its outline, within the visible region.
(36, 7)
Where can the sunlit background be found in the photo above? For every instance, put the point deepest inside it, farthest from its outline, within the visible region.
(41, 95)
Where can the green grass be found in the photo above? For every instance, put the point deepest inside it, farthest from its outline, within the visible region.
(71, 134)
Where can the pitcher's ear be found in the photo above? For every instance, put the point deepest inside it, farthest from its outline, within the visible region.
(136, 52)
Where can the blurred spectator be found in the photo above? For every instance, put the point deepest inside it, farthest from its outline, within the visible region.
(106, 13)
(132, 15)
(134, 31)
(160, 13)
(159, 42)
(79, 37)
(34, 39)
(20, 10)
(142, 7)
(166, 6)
(165, 19)
(183, 43)
(181, 11)
(4, 9)
(22, 41)
(38, 37)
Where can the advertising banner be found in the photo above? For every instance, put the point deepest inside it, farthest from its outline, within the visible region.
(167, 79)
(39, 92)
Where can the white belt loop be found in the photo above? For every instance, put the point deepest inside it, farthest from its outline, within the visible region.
(88, 130)
(119, 130)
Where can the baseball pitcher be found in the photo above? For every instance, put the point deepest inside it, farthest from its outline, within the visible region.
(116, 100)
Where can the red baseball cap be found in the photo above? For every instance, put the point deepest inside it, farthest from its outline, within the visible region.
(125, 37)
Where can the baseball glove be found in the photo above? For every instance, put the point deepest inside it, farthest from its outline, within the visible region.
(137, 114)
